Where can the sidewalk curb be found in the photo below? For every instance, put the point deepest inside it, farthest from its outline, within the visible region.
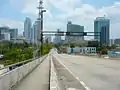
(53, 77)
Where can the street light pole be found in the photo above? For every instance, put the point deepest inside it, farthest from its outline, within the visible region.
(41, 11)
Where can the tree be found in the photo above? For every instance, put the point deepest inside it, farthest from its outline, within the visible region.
(113, 46)
(46, 48)
(72, 45)
(93, 44)
(104, 51)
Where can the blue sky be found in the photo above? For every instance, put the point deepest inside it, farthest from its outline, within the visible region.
(83, 12)
(100, 3)
(9, 11)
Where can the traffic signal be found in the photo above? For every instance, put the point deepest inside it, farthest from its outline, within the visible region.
(85, 34)
(67, 33)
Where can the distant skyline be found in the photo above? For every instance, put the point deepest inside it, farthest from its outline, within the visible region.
(82, 12)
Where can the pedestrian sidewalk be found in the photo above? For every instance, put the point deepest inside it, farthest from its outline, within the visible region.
(36, 80)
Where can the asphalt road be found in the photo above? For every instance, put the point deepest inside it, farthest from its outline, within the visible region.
(36, 80)
(66, 80)
(95, 73)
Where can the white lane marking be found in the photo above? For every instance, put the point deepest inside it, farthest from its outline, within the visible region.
(87, 88)
(81, 82)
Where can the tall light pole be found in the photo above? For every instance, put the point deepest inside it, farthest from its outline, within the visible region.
(40, 17)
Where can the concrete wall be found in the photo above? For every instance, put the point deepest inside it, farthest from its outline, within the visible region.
(11, 78)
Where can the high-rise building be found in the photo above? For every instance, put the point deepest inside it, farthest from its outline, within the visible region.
(6, 31)
(57, 38)
(75, 28)
(102, 25)
(48, 39)
(27, 29)
(23, 34)
(32, 35)
(117, 41)
(111, 42)
(13, 33)
(2, 36)
(36, 32)
(3, 30)
(5, 36)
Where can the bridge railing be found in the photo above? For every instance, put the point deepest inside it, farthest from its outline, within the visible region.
(11, 78)
(13, 66)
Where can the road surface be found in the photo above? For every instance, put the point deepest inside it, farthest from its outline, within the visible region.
(94, 73)
(36, 80)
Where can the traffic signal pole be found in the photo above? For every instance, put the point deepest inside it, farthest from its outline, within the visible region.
(41, 11)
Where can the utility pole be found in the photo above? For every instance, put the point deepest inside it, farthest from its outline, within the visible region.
(40, 17)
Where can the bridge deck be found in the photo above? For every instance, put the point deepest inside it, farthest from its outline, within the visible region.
(37, 80)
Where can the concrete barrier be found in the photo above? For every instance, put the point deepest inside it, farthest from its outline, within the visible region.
(11, 78)
(53, 78)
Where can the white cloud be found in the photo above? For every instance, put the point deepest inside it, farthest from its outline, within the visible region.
(86, 14)
(113, 12)
(66, 5)
(30, 7)
(74, 10)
